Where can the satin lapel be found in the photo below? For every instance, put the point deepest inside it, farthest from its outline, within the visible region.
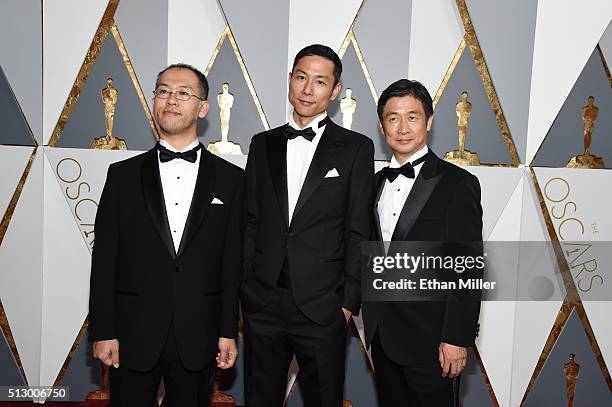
(380, 185)
(320, 164)
(154, 199)
(277, 164)
(423, 186)
(202, 197)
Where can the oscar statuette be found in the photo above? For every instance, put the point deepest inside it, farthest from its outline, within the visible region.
(348, 105)
(571, 370)
(461, 156)
(225, 100)
(586, 159)
(109, 142)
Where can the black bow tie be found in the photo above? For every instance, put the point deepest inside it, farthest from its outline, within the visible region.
(166, 155)
(407, 170)
(308, 133)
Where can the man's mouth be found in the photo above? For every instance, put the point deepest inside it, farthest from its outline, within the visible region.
(306, 102)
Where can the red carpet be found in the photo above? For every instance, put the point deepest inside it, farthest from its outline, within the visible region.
(53, 404)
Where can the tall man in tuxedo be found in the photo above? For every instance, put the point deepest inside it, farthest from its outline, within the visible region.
(307, 212)
(166, 264)
(418, 347)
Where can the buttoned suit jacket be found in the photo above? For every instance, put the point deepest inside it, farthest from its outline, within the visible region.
(322, 240)
(442, 206)
(140, 283)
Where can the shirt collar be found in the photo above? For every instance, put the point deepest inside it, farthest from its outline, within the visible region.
(169, 147)
(313, 124)
(415, 156)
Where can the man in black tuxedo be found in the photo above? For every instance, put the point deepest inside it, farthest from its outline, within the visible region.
(166, 264)
(307, 212)
(418, 347)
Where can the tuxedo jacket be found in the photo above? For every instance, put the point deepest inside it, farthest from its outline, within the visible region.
(321, 243)
(442, 206)
(140, 283)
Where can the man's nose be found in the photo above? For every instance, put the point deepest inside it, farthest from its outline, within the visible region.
(307, 89)
(172, 100)
(403, 127)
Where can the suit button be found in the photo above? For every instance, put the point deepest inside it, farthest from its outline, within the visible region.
(291, 234)
(178, 269)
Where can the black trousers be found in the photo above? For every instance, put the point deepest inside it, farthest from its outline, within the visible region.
(183, 388)
(398, 385)
(279, 331)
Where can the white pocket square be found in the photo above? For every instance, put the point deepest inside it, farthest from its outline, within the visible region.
(332, 173)
(216, 201)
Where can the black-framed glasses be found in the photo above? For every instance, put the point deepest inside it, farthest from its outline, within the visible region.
(179, 94)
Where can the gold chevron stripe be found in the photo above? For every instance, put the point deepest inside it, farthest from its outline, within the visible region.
(132, 72)
(485, 376)
(449, 71)
(572, 300)
(605, 64)
(472, 41)
(88, 63)
(6, 219)
(227, 33)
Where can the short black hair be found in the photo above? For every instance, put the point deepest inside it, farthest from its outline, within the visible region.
(201, 77)
(322, 51)
(406, 87)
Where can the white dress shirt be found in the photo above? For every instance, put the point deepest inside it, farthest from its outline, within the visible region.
(178, 178)
(299, 156)
(394, 196)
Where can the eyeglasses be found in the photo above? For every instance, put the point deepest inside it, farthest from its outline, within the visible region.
(178, 94)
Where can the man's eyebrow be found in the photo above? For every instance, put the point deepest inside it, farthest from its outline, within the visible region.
(409, 112)
(179, 86)
(306, 73)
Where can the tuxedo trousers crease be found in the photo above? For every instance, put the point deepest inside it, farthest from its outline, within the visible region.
(279, 331)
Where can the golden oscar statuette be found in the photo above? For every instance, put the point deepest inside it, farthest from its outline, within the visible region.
(109, 142)
(586, 160)
(348, 105)
(571, 370)
(225, 100)
(462, 156)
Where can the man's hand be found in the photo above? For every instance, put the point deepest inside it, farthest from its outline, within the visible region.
(107, 352)
(347, 314)
(452, 359)
(227, 353)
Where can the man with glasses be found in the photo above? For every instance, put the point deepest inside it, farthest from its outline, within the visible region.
(166, 265)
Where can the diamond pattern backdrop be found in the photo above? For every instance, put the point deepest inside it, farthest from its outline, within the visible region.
(528, 67)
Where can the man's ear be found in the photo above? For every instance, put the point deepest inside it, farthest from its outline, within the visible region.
(336, 91)
(429, 122)
(289, 79)
(205, 106)
(380, 128)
